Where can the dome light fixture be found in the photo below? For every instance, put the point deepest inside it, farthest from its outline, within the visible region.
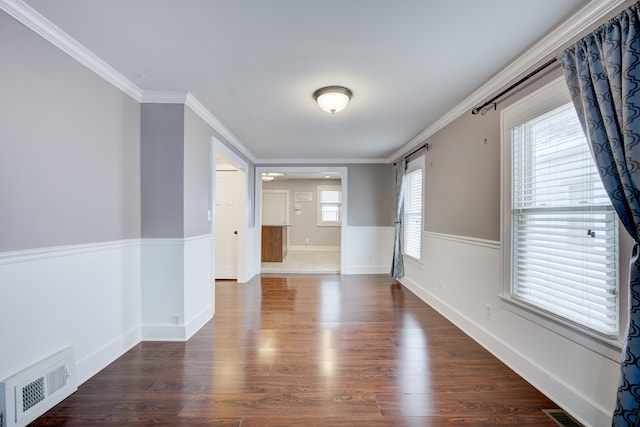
(332, 98)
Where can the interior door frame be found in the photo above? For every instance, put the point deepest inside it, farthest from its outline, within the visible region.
(242, 260)
(304, 169)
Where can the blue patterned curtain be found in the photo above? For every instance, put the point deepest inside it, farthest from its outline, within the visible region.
(603, 74)
(397, 267)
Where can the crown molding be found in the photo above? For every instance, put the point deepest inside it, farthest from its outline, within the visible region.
(29, 17)
(217, 125)
(583, 20)
(40, 25)
(318, 161)
(163, 97)
(186, 98)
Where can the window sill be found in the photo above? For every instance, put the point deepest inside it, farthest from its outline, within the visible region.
(607, 347)
(412, 260)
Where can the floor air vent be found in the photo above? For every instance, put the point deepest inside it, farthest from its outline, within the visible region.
(562, 418)
(30, 393)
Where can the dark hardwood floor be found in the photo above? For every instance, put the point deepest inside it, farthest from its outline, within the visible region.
(309, 351)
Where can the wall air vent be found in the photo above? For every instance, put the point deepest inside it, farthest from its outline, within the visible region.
(30, 393)
(561, 418)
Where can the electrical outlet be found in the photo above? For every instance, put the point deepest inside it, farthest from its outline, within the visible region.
(487, 312)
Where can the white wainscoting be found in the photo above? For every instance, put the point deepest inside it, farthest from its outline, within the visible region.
(177, 287)
(369, 250)
(461, 278)
(83, 296)
(199, 292)
(252, 255)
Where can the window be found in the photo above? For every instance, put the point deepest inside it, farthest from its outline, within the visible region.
(562, 227)
(412, 238)
(329, 205)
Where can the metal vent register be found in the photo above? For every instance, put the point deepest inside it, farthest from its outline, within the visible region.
(561, 418)
(30, 393)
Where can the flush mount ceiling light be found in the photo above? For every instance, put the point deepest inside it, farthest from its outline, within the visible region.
(270, 176)
(332, 98)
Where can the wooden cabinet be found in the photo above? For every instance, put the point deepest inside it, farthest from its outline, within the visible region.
(274, 243)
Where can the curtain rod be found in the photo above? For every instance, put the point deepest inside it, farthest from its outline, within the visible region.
(422, 147)
(513, 86)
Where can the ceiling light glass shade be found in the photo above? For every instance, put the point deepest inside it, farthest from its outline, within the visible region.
(332, 98)
(267, 178)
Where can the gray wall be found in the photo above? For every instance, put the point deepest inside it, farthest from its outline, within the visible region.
(69, 149)
(462, 172)
(462, 178)
(162, 170)
(198, 174)
(371, 195)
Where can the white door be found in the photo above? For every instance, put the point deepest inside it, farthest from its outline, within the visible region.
(274, 207)
(226, 225)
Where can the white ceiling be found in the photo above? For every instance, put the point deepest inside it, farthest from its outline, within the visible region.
(254, 64)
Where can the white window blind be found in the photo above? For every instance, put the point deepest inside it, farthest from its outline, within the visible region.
(563, 227)
(413, 214)
(329, 205)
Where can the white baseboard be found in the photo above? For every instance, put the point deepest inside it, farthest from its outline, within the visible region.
(369, 269)
(179, 333)
(198, 321)
(314, 248)
(164, 333)
(102, 357)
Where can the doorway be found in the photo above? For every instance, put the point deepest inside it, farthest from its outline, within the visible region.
(322, 247)
(226, 223)
(230, 226)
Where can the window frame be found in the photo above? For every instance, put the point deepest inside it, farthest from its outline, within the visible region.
(545, 99)
(320, 204)
(413, 166)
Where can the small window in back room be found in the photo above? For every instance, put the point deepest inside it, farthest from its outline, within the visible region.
(329, 205)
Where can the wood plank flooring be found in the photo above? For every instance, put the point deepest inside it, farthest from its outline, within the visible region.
(309, 351)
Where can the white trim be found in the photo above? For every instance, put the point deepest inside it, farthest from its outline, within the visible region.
(246, 247)
(106, 354)
(50, 32)
(551, 43)
(217, 125)
(197, 239)
(607, 347)
(179, 333)
(60, 251)
(175, 241)
(369, 269)
(163, 97)
(304, 248)
(318, 161)
(186, 98)
(343, 170)
(491, 244)
(164, 333)
(196, 322)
